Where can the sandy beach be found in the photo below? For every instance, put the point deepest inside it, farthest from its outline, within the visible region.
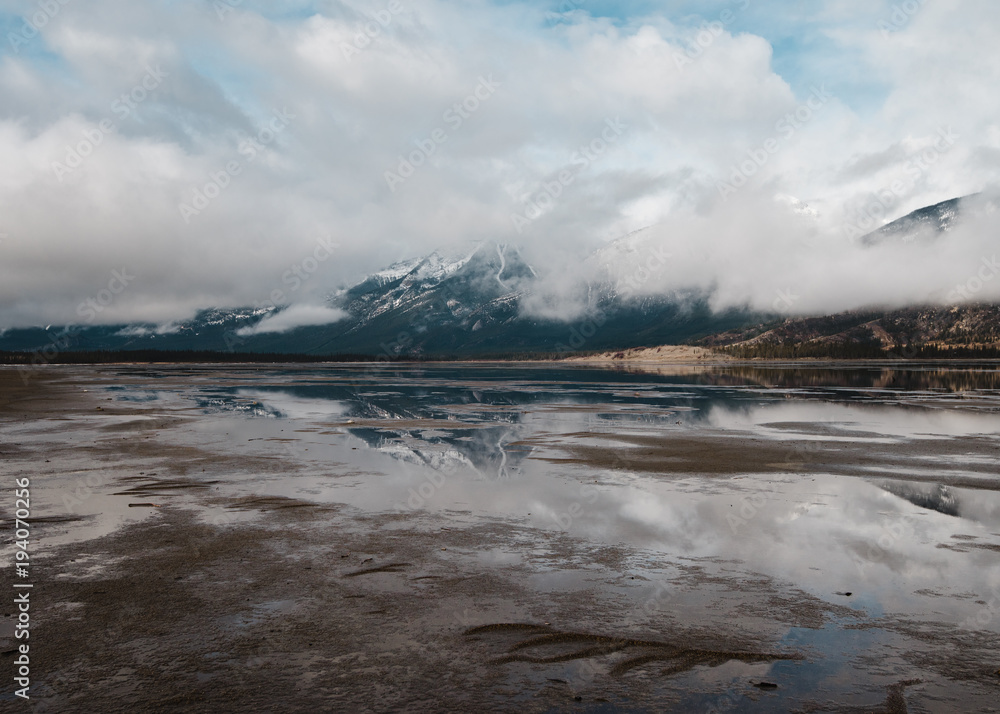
(666, 354)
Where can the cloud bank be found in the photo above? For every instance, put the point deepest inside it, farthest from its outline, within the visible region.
(206, 147)
(298, 315)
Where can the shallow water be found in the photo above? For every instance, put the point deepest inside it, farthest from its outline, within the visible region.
(883, 483)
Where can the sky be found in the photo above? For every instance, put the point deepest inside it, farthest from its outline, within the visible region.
(184, 154)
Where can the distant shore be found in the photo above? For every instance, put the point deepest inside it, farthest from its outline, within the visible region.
(633, 356)
(665, 354)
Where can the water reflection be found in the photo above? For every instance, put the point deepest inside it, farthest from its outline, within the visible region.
(517, 426)
(498, 392)
(868, 477)
(488, 421)
(880, 482)
(938, 498)
(950, 377)
(486, 450)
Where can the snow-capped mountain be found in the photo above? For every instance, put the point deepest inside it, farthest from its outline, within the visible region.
(470, 302)
(924, 224)
(439, 302)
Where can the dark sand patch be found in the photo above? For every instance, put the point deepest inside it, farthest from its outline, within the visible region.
(725, 455)
(152, 486)
(270, 503)
(388, 568)
(964, 547)
(546, 645)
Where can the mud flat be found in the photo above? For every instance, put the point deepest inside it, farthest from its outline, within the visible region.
(459, 538)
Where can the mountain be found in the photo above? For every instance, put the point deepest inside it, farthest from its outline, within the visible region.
(439, 303)
(966, 330)
(466, 304)
(927, 331)
(926, 223)
(472, 303)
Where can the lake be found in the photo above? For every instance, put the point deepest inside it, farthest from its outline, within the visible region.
(537, 537)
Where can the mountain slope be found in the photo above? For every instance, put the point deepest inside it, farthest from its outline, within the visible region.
(473, 303)
(468, 304)
(904, 333)
(926, 223)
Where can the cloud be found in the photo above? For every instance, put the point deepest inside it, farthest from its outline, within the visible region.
(144, 331)
(295, 316)
(781, 258)
(363, 87)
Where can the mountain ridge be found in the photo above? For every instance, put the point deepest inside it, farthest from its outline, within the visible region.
(928, 330)
(472, 302)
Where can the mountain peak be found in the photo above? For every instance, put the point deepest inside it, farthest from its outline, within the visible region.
(925, 223)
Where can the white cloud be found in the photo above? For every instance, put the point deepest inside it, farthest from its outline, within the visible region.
(293, 317)
(354, 116)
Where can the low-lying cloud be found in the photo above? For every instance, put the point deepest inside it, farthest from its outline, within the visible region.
(293, 317)
(781, 258)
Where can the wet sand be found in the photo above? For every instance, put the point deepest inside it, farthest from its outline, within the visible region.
(180, 566)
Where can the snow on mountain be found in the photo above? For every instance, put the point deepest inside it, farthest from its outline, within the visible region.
(470, 301)
(926, 224)
(467, 279)
(624, 250)
(394, 272)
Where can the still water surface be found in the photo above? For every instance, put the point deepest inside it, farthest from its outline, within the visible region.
(820, 481)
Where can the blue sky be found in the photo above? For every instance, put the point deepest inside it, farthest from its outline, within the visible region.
(802, 49)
